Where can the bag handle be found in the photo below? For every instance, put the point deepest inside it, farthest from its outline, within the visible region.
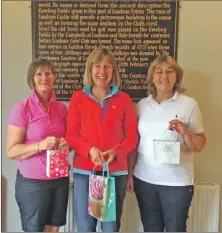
(175, 134)
(105, 168)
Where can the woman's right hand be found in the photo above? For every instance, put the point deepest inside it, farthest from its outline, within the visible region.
(95, 155)
(130, 184)
(48, 143)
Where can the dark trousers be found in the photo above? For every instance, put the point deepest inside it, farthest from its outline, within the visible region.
(87, 223)
(41, 202)
(163, 207)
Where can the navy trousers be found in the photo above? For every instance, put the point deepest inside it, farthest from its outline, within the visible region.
(163, 207)
(41, 202)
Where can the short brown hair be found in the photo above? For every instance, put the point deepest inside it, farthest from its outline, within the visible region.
(179, 74)
(97, 55)
(34, 66)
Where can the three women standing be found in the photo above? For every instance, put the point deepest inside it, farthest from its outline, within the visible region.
(102, 126)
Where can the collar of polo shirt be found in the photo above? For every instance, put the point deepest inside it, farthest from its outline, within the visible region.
(176, 97)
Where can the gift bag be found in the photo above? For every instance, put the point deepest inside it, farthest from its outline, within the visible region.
(57, 164)
(102, 196)
(167, 151)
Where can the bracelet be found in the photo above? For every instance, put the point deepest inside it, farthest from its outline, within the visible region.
(37, 147)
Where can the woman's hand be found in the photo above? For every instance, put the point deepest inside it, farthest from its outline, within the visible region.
(108, 155)
(48, 143)
(95, 155)
(130, 184)
(179, 126)
(63, 143)
(195, 142)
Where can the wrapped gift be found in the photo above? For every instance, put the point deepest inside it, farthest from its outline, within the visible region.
(57, 164)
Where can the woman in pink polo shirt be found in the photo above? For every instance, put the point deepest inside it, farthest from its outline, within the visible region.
(35, 125)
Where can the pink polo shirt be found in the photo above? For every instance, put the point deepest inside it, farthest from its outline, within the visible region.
(39, 124)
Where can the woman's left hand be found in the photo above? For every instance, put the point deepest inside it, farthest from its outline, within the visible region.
(108, 155)
(63, 143)
(179, 126)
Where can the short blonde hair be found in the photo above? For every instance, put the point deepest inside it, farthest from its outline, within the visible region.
(34, 66)
(179, 74)
(96, 56)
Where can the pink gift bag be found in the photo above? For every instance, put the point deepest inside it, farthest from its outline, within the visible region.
(57, 164)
